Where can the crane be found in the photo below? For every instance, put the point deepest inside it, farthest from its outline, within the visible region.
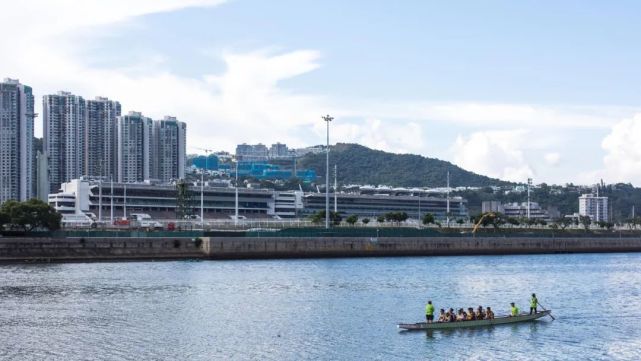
(478, 224)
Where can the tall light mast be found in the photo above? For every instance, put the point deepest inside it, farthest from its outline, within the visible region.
(335, 190)
(447, 219)
(236, 198)
(529, 184)
(202, 188)
(327, 119)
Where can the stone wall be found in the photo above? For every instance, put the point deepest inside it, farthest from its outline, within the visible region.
(89, 249)
(50, 249)
(221, 248)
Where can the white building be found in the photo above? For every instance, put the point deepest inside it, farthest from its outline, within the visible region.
(594, 207)
(64, 137)
(134, 148)
(16, 141)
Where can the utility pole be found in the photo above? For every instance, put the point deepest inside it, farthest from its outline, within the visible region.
(529, 184)
(327, 119)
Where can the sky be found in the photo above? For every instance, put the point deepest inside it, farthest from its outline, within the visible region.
(508, 89)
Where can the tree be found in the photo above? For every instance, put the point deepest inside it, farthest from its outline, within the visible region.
(585, 221)
(365, 220)
(30, 215)
(351, 220)
(4, 219)
(428, 218)
(397, 217)
(380, 219)
(460, 221)
(513, 221)
(564, 222)
(319, 217)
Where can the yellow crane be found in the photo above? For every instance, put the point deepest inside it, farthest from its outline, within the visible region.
(478, 223)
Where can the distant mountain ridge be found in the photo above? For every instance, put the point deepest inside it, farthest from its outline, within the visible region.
(361, 165)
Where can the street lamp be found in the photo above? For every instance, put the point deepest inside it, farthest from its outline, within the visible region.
(327, 119)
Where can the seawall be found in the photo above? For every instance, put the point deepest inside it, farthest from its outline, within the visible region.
(234, 248)
(42, 249)
(97, 249)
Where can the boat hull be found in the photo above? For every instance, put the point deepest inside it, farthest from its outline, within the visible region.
(524, 317)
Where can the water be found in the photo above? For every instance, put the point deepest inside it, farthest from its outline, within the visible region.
(337, 309)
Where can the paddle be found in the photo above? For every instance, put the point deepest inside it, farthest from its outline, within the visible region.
(546, 310)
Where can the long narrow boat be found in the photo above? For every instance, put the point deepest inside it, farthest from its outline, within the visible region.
(524, 317)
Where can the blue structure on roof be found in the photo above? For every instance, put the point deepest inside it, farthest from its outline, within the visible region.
(269, 171)
(210, 162)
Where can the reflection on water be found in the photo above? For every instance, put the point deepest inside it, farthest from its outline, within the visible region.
(317, 309)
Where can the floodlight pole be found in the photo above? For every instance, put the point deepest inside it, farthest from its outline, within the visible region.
(327, 119)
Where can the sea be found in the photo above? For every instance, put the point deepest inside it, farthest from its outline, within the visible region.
(319, 309)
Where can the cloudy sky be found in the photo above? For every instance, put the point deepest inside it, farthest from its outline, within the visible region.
(510, 89)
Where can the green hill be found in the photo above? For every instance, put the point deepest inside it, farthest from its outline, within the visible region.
(361, 165)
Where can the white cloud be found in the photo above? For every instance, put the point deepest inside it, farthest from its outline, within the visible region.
(552, 158)
(379, 134)
(496, 154)
(622, 161)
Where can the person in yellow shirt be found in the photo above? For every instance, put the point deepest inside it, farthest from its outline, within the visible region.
(429, 312)
(514, 311)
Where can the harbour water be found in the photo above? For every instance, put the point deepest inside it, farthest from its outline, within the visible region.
(333, 309)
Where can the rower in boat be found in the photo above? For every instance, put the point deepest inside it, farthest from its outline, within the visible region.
(452, 315)
(479, 313)
(514, 311)
(533, 304)
(489, 314)
(470, 314)
(429, 312)
(442, 317)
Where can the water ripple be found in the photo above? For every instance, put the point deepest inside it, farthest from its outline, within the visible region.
(337, 309)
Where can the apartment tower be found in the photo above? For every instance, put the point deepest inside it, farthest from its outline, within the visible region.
(16, 141)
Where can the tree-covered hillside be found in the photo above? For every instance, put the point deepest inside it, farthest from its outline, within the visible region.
(361, 165)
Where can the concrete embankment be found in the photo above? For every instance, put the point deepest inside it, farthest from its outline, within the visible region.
(231, 248)
(140, 248)
(97, 249)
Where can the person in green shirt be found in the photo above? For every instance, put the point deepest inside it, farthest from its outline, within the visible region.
(533, 304)
(514, 311)
(429, 312)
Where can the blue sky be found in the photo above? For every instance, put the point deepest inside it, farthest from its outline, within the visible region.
(509, 89)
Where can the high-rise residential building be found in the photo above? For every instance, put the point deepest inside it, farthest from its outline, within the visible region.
(134, 148)
(169, 149)
(64, 121)
(16, 141)
(594, 207)
(100, 138)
